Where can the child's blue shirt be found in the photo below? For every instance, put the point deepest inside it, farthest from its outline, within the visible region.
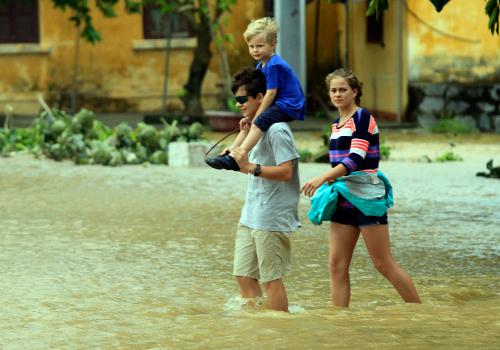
(280, 76)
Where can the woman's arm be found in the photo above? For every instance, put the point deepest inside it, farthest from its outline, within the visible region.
(331, 175)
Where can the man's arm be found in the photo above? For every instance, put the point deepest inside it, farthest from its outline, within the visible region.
(280, 172)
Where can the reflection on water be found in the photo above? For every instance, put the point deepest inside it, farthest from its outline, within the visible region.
(140, 258)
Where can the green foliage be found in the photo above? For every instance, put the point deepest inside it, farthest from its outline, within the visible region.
(449, 155)
(321, 114)
(147, 135)
(492, 9)
(82, 16)
(15, 140)
(159, 157)
(325, 134)
(86, 140)
(305, 155)
(231, 105)
(193, 132)
(191, 9)
(375, 7)
(385, 151)
(452, 126)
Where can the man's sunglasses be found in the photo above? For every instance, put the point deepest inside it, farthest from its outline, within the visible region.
(241, 99)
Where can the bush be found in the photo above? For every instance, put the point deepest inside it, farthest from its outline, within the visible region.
(449, 155)
(86, 140)
(385, 151)
(452, 126)
(305, 155)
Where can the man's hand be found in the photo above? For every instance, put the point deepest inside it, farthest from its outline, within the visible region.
(312, 185)
(241, 157)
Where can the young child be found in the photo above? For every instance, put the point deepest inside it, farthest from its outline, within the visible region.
(284, 99)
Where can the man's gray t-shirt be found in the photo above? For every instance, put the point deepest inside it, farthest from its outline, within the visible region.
(272, 205)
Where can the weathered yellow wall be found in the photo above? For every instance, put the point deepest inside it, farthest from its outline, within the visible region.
(324, 16)
(428, 56)
(434, 57)
(375, 65)
(243, 12)
(123, 72)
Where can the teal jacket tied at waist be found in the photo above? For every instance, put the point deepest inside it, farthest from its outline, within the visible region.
(370, 193)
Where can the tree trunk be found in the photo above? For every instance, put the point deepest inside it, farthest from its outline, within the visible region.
(198, 69)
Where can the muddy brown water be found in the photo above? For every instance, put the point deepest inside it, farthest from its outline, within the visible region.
(139, 257)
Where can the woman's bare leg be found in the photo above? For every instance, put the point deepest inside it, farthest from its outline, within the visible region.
(377, 242)
(343, 239)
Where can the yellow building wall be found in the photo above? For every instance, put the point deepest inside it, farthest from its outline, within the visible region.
(322, 40)
(374, 64)
(459, 48)
(122, 73)
(243, 12)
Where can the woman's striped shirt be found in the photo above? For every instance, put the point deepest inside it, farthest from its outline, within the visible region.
(355, 144)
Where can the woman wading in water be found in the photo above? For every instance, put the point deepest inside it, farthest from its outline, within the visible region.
(354, 156)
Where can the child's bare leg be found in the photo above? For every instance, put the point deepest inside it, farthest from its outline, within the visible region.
(252, 138)
(239, 139)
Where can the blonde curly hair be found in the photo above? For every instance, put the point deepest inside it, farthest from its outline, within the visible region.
(265, 25)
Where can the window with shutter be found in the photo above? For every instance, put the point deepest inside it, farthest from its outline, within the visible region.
(269, 8)
(19, 22)
(375, 29)
(157, 24)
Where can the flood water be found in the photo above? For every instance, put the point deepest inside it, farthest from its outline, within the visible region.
(140, 257)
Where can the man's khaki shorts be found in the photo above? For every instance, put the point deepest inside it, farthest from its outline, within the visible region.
(262, 255)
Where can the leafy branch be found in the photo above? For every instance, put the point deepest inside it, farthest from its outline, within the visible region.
(492, 9)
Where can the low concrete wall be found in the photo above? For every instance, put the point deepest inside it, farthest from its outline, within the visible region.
(188, 154)
(476, 105)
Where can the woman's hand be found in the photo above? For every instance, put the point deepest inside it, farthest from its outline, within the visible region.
(312, 185)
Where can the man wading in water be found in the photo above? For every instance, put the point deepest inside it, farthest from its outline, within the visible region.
(262, 246)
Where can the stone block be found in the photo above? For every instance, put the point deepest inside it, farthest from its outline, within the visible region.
(452, 91)
(426, 121)
(435, 89)
(467, 120)
(187, 154)
(457, 107)
(484, 122)
(431, 105)
(474, 92)
(496, 119)
(495, 92)
(485, 107)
